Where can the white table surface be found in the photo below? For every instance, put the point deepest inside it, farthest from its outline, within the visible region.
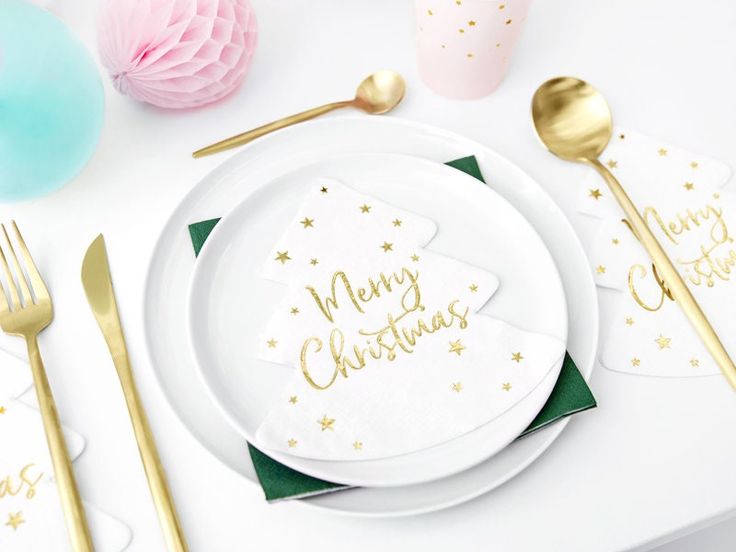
(654, 461)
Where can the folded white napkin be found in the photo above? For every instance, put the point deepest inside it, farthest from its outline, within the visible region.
(680, 195)
(389, 352)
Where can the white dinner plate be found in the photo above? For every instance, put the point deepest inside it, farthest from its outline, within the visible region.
(230, 303)
(172, 264)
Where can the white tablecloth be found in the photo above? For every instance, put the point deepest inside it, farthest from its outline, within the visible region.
(654, 461)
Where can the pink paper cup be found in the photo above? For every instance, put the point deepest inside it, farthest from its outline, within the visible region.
(464, 46)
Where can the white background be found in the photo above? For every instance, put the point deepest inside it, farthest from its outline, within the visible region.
(653, 462)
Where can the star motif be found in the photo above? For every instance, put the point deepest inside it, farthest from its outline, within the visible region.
(365, 208)
(307, 222)
(461, 31)
(508, 22)
(387, 247)
(614, 241)
(635, 361)
(629, 321)
(15, 520)
(612, 164)
(663, 342)
(688, 186)
(429, 12)
(358, 445)
(2, 410)
(716, 195)
(600, 269)
(662, 152)
(292, 443)
(313, 262)
(326, 423)
(506, 387)
(595, 194)
(498, 44)
(459, 2)
(293, 399)
(469, 55)
(456, 347)
(282, 257)
(294, 310)
(397, 222)
(457, 387)
(323, 189)
(271, 343)
(415, 258)
(471, 23)
(621, 136)
(473, 288)
(501, 6)
(694, 362)
(517, 357)
(694, 164)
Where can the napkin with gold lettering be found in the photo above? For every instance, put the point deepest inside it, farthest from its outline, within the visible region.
(680, 196)
(389, 352)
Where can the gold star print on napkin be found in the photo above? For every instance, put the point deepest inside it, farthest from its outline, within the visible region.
(680, 195)
(387, 347)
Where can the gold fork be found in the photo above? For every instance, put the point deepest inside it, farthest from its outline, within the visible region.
(28, 314)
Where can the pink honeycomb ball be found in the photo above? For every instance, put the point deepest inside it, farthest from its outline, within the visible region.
(177, 53)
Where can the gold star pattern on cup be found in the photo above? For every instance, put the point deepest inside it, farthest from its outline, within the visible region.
(694, 164)
(429, 12)
(415, 258)
(293, 399)
(365, 208)
(469, 55)
(694, 362)
(358, 445)
(313, 262)
(457, 387)
(15, 520)
(323, 189)
(456, 347)
(294, 310)
(595, 193)
(506, 386)
(471, 23)
(2, 410)
(473, 287)
(282, 256)
(396, 222)
(517, 357)
(612, 164)
(629, 321)
(508, 22)
(307, 222)
(662, 152)
(635, 361)
(501, 6)
(461, 31)
(663, 342)
(326, 423)
(614, 241)
(292, 443)
(271, 343)
(600, 269)
(688, 186)
(387, 247)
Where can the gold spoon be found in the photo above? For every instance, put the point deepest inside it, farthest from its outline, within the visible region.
(574, 122)
(378, 93)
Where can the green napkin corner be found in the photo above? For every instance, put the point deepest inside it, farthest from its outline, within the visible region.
(570, 395)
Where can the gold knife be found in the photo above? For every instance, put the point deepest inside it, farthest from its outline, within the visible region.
(97, 283)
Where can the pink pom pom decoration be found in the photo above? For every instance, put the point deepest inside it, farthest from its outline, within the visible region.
(177, 53)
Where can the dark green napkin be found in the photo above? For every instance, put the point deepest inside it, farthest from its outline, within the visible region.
(570, 395)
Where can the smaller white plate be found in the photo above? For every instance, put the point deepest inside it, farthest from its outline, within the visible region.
(229, 302)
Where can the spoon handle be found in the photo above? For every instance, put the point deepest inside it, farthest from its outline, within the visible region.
(670, 275)
(251, 135)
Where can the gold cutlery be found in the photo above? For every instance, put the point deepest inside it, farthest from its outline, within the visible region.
(378, 93)
(28, 313)
(574, 122)
(97, 283)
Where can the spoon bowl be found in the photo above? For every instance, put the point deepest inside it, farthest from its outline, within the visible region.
(380, 92)
(572, 119)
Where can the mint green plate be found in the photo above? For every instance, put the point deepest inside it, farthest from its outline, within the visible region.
(51, 102)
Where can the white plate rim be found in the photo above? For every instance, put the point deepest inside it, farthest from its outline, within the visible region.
(451, 144)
